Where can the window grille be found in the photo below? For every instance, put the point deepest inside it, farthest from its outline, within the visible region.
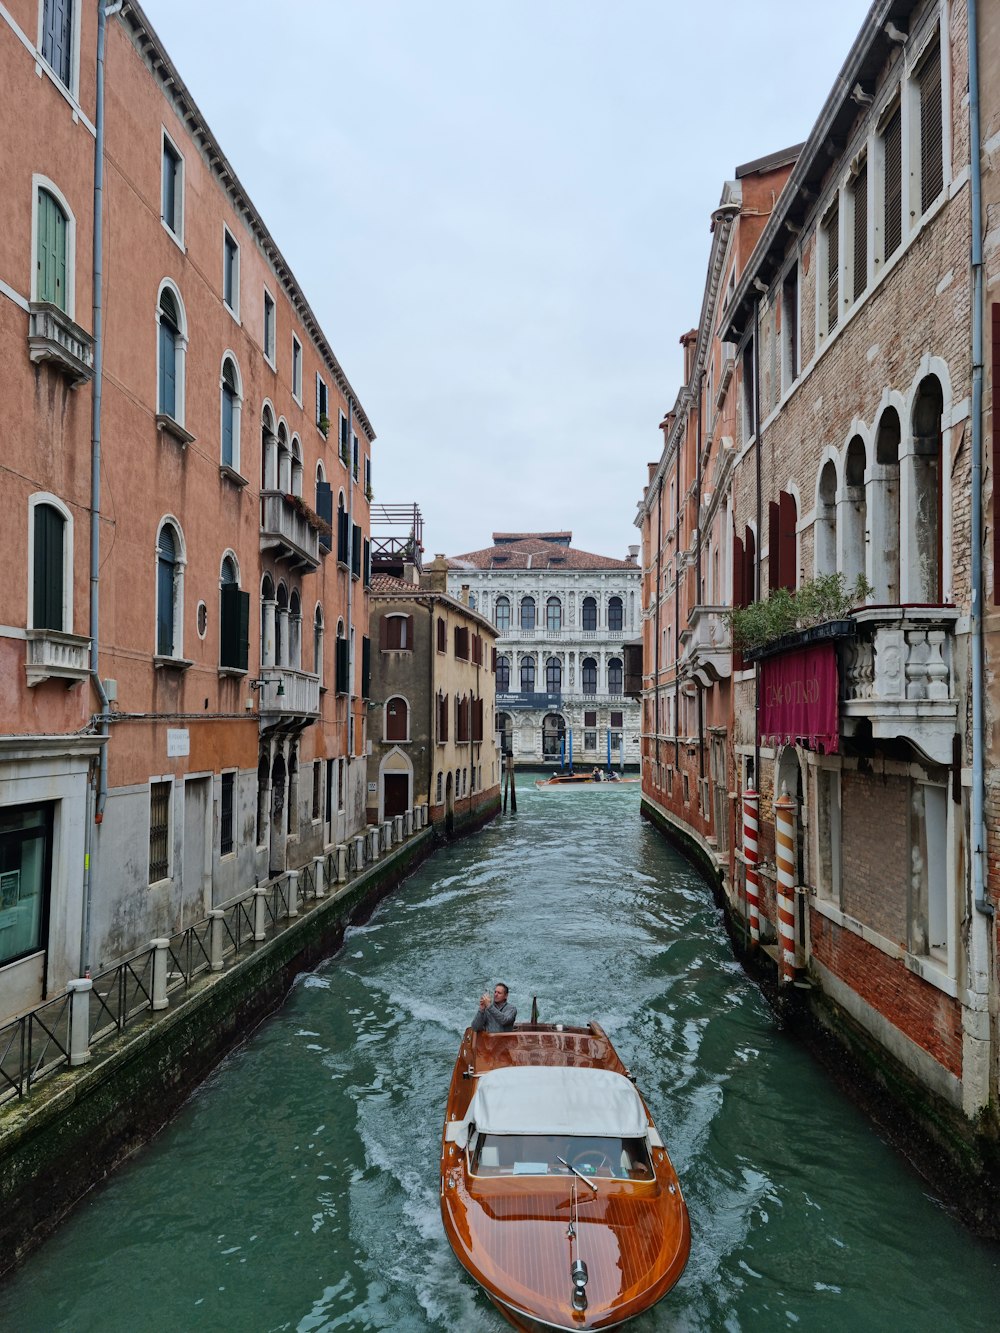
(159, 831)
(226, 815)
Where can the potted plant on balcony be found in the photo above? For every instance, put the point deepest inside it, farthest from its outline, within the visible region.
(324, 424)
(788, 618)
(318, 524)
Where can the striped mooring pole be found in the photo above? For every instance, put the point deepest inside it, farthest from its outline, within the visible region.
(751, 806)
(784, 852)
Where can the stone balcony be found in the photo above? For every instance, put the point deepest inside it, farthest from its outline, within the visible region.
(706, 648)
(287, 533)
(287, 693)
(54, 337)
(52, 654)
(898, 675)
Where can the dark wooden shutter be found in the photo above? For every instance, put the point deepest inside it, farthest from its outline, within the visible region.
(749, 566)
(995, 394)
(773, 543)
(892, 221)
(50, 528)
(57, 36)
(356, 551)
(243, 655)
(409, 632)
(739, 586)
(229, 625)
(343, 666)
(324, 508)
(931, 152)
(343, 536)
(861, 231)
(493, 661)
(368, 563)
(787, 518)
(832, 229)
(366, 668)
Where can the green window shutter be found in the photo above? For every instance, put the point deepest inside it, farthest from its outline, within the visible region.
(51, 251)
(244, 631)
(366, 668)
(229, 625)
(368, 563)
(343, 666)
(356, 550)
(47, 611)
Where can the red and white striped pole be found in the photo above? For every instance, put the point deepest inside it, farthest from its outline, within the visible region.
(784, 854)
(751, 807)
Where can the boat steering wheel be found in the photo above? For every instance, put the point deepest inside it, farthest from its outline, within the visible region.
(590, 1160)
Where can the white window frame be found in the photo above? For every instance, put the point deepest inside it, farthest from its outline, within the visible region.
(179, 194)
(321, 383)
(39, 182)
(182, 342)
(178, 608)
(230, 355)
(296, 370)
(233, 309)
(154, 781)
(46, 498)
(74, 59)
(269, 354)
(235, 774)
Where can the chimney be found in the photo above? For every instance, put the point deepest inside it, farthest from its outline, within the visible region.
(435, 575)
(633, 555)
(465, 594)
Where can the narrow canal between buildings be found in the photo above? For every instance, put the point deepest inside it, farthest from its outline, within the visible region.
(299, 1188)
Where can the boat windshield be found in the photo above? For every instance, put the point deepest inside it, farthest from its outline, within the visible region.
(539, 1154)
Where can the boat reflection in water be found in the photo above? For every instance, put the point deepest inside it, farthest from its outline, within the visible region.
(557, 1193)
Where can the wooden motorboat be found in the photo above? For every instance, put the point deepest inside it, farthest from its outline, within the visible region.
(557, 1193)
(582, 780)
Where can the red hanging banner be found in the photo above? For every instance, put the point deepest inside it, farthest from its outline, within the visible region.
(799, 694)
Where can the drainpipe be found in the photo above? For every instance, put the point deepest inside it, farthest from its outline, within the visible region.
(760, 537)
(697, 581)
(350, 568)
(983, 905)
(100, 799)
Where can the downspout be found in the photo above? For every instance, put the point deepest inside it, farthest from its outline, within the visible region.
(100, 801)
(757, 543)
(697, 581)
(983, 905)
(350, 575)
(656, 621)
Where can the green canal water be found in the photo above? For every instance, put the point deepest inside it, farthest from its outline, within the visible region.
(298, 1189)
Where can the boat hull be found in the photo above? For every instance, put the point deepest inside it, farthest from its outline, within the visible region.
(511, 1232)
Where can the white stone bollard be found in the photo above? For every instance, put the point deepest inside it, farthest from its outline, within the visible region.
(79, 1021)
(293, 893)
(408, 823)
(341, 862)
(397, 827)
(359, 850)
(260, 897)
(319, 876)
(387, 829)
(217, 938)
(373, 839)
(159, 948)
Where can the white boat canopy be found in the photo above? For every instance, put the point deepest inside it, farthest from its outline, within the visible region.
(547, 1099)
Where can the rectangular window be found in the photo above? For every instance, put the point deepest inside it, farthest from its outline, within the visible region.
(462, 643)
(355, 455)
(831, 238)
(25, 872)
(892, 184)
(356, 539)
(57, 38)
(590, 718)
(48, 571)
(231, 272)
(159, 831)
(749, 424)
(234, 627)
(590, 740)
(226, 814)
(317, 788)
(931, 147)
(397, 632)
(343, 439)
(269, 326)
(442, 636)
(617, 719)
(322, 405)
(172, 203)
(790, 327)
(368, 477)
(859, 258)
(296, 370)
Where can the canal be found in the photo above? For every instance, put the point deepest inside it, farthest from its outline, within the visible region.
(298, 1189)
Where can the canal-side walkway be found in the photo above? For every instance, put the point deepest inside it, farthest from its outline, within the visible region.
(95, 1072)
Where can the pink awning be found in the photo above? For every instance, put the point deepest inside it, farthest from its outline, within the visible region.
(798, 698)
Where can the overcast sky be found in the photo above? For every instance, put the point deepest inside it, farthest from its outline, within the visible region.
(500, 214)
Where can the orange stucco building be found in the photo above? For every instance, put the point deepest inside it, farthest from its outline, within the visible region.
(183, 631)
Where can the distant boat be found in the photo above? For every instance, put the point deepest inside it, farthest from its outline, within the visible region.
(557, 1194)
(582, 780)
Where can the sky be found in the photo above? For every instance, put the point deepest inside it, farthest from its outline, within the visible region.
(500, 215)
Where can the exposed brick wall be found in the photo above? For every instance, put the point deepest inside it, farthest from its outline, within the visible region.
(931, 1019)
(875, 851)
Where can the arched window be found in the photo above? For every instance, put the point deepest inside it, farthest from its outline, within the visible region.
(503, 674)
(886, 516)
(397, 720)
(296, 485)
(234, 618)
(553, 735)
(553, 615)
(284, 461)
(923, 568)
(268, 452)
(295, 630)
(855, 511)
(51, 580)
(553, 675)
(268, 617)
(590, 613)
(168, 592)
(231, 412)
(527, 613)
(52, 277)
(616, 615)
(501, 614)
(281, 628)
(825, 538)
(588, 675)
(615, 676)
(318, 642)
(527, 675)
(170, 369)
